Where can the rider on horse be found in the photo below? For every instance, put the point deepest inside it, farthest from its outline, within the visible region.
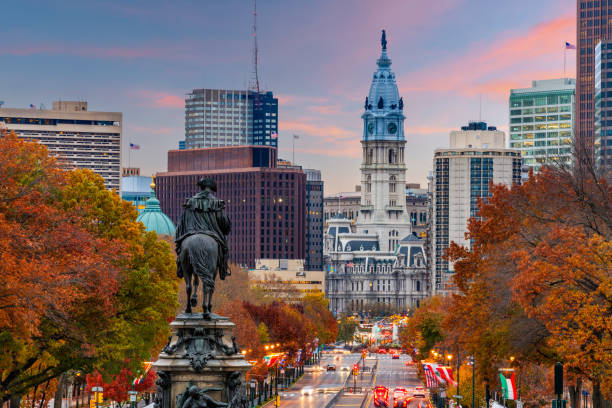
(204, 214)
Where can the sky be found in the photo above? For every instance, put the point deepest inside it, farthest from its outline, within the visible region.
(454, 60)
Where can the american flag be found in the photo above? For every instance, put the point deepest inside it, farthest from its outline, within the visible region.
(134, 146)
(569, 46)
(274, 135)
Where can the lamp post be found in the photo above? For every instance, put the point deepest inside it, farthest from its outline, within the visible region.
(473, 380)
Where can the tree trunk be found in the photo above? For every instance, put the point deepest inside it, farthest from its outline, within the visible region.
(59, 393)
(574, 393)
(598, 399)
(15, 401)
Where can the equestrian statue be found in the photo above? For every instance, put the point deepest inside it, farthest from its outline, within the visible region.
(201, 245)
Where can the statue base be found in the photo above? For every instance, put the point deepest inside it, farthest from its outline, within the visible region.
(201, 366)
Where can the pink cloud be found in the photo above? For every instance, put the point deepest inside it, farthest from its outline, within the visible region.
(157, 99)
(85, 51)
(328, 133)
(326, 109)
(512, 61)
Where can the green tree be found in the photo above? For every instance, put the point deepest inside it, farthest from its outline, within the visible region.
(264, 335)
(346, 329)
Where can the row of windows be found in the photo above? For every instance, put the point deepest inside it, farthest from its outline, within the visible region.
(549, 118)
(518, 100)
(550, 109)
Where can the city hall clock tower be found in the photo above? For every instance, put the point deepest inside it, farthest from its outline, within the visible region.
(383, 169)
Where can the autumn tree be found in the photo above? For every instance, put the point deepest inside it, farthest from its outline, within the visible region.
(316, 310)
(84, 285)
(536, 279)
(424, 329)
(116, 389)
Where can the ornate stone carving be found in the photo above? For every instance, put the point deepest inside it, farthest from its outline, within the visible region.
(162, 396)
(195, 397)
(236, 391)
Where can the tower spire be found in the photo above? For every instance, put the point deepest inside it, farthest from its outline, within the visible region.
(254, 83)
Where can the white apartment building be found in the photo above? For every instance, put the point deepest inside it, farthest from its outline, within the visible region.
(462, 172)
(80, 138)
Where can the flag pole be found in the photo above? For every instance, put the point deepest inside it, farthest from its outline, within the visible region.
(564, 54)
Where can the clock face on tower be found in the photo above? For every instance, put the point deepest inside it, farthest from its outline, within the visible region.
(371, 127)
(392, 128)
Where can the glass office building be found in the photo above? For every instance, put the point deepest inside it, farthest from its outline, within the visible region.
(603, 107)
(220, 117)
(542, 121)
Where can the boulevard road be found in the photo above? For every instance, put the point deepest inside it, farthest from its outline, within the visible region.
(319, 380)
(394, 373)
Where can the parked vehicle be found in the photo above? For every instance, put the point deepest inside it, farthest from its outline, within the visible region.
(331, 367)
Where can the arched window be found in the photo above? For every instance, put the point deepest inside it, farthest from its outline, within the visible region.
(368, 184)
(418, 286)
(392, 180)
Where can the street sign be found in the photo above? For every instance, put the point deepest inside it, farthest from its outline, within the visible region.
(132, 392)
(132, 398)
(97, 389)
(100, 397)
(457, 396)
(506, 369)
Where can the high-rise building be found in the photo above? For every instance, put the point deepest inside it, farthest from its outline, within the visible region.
(593, 24)
(314, 220)
(223, 117)
(78, 137)
(462, 172)
(266, 204)
(603, 108)
(381, 263)
(541, 121)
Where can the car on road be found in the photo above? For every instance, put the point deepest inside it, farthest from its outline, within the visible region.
(344, 368)
(400, 398)
(419, 392)
(381, 396)
(307, 390)
(331, 367)
(382, 351)
(395, 356)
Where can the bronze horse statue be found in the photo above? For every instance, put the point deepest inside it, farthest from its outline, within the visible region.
(201, 245)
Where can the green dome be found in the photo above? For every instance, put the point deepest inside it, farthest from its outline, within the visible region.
(154, 219)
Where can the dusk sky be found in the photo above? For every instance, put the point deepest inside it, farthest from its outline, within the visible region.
(317, 56)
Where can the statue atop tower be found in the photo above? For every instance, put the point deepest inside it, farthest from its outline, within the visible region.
(383, 40)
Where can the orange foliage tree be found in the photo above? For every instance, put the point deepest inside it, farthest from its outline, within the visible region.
(84, 286)
(536, 281)
(117, 389)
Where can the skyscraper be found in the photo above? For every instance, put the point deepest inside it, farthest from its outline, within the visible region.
(541, 121)
(594, 22)
(462, 172)
(221, 117)
(266, 204)
(603, 108)
(80, 138)
(314, 220)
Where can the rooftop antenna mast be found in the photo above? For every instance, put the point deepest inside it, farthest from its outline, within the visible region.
(254, 84)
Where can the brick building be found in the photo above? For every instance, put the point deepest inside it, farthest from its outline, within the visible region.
(266, 204)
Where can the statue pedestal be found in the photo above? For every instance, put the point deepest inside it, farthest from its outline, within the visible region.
(202, 358)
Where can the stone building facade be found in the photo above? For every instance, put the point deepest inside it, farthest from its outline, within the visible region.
(382, 262)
